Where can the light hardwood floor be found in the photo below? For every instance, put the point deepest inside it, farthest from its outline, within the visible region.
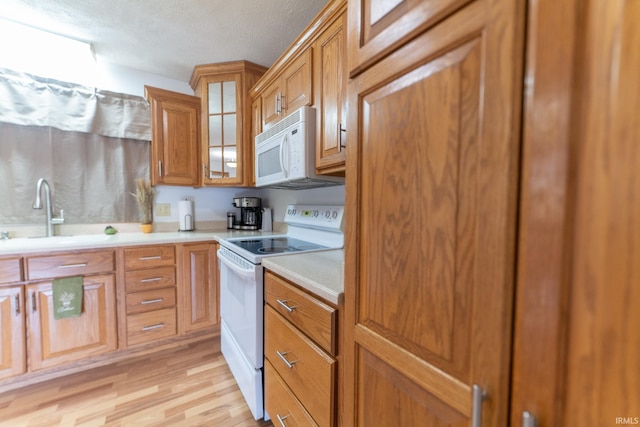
(189, 386)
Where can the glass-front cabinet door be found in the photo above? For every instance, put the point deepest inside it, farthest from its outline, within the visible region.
(224, 144)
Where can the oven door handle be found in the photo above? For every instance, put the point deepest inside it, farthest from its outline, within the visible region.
(235, 267)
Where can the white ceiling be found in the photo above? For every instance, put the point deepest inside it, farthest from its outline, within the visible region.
(170, 37)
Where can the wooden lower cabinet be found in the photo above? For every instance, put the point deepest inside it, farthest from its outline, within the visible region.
(149, 294)
(199, 287)
(54, 342)
(301, 373)
(280, 402)
(12, 332)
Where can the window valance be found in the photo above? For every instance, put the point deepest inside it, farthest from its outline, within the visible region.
(36, 101)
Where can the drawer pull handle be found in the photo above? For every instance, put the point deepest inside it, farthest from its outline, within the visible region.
(284, 304)
(151, 327)
(152, 301)
(281, 419)
(284, 359)
(152, 279)
(73, 265)
(147, 258)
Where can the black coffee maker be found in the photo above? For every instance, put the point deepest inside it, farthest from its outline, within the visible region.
(250, 213)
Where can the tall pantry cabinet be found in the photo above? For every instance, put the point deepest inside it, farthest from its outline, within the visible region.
(432, 167)
(492, 267)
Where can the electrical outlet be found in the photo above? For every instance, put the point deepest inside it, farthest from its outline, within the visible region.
(163, 209)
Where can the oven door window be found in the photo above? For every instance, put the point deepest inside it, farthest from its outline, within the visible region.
(241, 304)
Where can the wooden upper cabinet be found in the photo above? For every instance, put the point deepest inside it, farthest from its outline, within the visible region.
(175, 119)
(290, 91)
(226, 137)
(431, 200)
(330, 84)
(377, 27)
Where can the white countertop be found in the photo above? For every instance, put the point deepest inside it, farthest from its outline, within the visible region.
(321, 273)
(26, 245)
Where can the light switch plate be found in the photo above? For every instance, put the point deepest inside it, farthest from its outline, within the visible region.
(163, 209)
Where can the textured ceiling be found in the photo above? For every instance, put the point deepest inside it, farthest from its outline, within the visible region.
(170, 37)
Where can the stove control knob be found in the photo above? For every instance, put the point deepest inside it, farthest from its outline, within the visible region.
(334, 215)
(315, 213)
(327, 214)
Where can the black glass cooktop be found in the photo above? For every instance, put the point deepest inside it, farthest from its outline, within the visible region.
(276, 245)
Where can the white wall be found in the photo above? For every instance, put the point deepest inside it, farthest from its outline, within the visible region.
(212, 204)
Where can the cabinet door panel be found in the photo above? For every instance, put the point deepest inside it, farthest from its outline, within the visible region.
(176, 137)
(12, 334)
(199, 287)
(53, 342)
(379, 26)
(296, 83)
(432, 205)
(331, 98)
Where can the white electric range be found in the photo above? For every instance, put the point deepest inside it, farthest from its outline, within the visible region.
(309, 228)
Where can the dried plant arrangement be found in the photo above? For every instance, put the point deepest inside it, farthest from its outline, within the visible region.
(144, 199)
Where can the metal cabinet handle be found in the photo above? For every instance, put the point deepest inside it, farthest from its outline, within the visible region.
(284, 304)
(284, 359)
(73, 265)
(17, 304)
(281, 419)
(341, 130)
(152, 301)
(150, 327)
(147, 258)
(528, 420)
(152, 279)
(159, 167)
(282, 106)
(479, 395)
(34, 307)
(204, 170)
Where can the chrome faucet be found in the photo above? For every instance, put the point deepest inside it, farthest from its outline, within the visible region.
(37, 204)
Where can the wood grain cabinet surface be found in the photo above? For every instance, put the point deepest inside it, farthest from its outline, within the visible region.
(13, 359)
(291, 90)
(175, 133)
(432, 213)
(149, 294)
(55, 342)
(226, 143)
(301, 350)
(199, 287)
(330, 84)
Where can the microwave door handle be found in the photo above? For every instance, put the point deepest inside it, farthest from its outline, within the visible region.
(284, 146)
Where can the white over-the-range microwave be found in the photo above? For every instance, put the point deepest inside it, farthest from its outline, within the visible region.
(285, 154)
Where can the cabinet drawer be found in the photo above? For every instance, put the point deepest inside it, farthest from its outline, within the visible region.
(151, 326)
(140, 302)
(149, 256)
(10, 270)
(311, 374)
(313, 317)
(81, 263)
(280, 402)
(154, 278)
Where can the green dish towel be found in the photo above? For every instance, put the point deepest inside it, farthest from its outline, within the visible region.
(67, 297)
